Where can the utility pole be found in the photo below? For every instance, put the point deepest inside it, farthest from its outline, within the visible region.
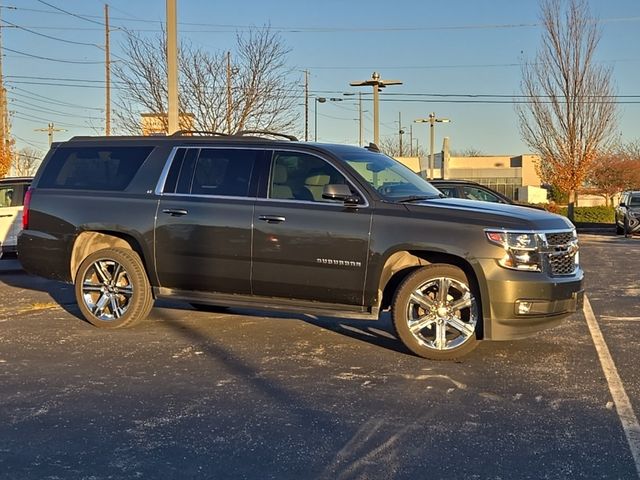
(50, 129)
(229, 104)
(400, 132)
(172, 67)
(432, 120)
(411, 140)
(306, 105)
(361, 139)
(107, 62)
(377, 84)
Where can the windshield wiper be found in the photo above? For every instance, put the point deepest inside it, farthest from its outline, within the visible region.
(414, 198)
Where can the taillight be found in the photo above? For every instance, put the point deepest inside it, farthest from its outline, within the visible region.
(25, 209)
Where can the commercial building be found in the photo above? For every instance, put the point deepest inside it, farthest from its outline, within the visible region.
(514, 176)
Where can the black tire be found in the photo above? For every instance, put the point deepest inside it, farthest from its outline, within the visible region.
(626, 226)
(619, 230)
(112, 288)
(434, 326)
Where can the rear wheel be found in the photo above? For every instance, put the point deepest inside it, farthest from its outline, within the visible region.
(435, 313)
(112, 288)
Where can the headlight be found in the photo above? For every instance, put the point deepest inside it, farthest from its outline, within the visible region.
(522, 249)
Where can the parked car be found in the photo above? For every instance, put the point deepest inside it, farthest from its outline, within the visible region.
(470, 191)
(628, 213)
(319, 229)
(12, 192)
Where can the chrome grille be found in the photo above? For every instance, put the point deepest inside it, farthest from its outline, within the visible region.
(561, 250)
(560, 238)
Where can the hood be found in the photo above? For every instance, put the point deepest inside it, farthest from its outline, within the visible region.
(490, 215)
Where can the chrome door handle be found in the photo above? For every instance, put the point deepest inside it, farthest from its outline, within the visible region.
(272, 218)
(175, 212)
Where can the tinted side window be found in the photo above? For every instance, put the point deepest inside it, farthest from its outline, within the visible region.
(474, 193)
(214, 171)
(448, 191)
(93, 168)
(301, 176)
(12, 194)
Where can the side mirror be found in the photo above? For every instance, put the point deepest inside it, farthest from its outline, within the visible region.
(340, 191)
(622, 204)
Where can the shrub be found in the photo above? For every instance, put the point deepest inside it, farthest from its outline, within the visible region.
(598, 214)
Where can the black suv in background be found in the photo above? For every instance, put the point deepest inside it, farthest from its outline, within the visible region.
(628, 213)
(470, 191)
(320, 229)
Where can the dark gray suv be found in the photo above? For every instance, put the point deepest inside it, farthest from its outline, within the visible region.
(628, 213)
(320, 229)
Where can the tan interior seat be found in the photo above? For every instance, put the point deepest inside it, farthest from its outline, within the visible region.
(279, 187)
(315, 184)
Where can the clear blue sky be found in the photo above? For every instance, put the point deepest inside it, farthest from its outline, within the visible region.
(443, 49)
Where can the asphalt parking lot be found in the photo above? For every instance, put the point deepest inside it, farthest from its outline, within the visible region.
(248, 394)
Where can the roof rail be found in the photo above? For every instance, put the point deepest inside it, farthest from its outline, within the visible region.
(266, 133)
(180, 133)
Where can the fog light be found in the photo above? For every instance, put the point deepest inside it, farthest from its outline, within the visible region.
(523, 307)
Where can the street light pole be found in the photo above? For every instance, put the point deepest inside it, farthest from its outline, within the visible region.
(377, 84)
(315, 113)
(172, 67)
(322, 100)
(432, 120)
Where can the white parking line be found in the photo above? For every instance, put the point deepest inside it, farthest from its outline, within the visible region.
(627, 417)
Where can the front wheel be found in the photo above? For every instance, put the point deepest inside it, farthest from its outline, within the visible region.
(112, 288)
(435, 313)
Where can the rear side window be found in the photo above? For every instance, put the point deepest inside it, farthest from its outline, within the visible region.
(12, 195)
(212, 171)
(93, 168)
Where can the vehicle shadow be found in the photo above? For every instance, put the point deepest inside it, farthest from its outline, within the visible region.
(59, 292)
(375, 332)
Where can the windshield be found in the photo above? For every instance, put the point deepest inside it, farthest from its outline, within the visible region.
(634, 201)
(390, 178)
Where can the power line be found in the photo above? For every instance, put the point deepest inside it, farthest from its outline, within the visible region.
(83, 62)
(71, 13)
(54, 102)
(49, 36)
(40, 109)
(29, 143)
(35, 77)
(51, 84)
(39, 120)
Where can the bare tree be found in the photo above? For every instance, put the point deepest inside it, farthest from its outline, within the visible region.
(391, 146)
(467, 152)
(26, 162)
(570, 112)
(260, 92)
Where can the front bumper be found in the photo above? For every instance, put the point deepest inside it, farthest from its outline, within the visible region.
(550, 300)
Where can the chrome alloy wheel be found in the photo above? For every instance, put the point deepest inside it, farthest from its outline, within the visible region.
(442, 313)
(107, 289)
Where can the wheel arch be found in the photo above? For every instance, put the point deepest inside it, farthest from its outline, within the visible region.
(90, 241)
(401, 264)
